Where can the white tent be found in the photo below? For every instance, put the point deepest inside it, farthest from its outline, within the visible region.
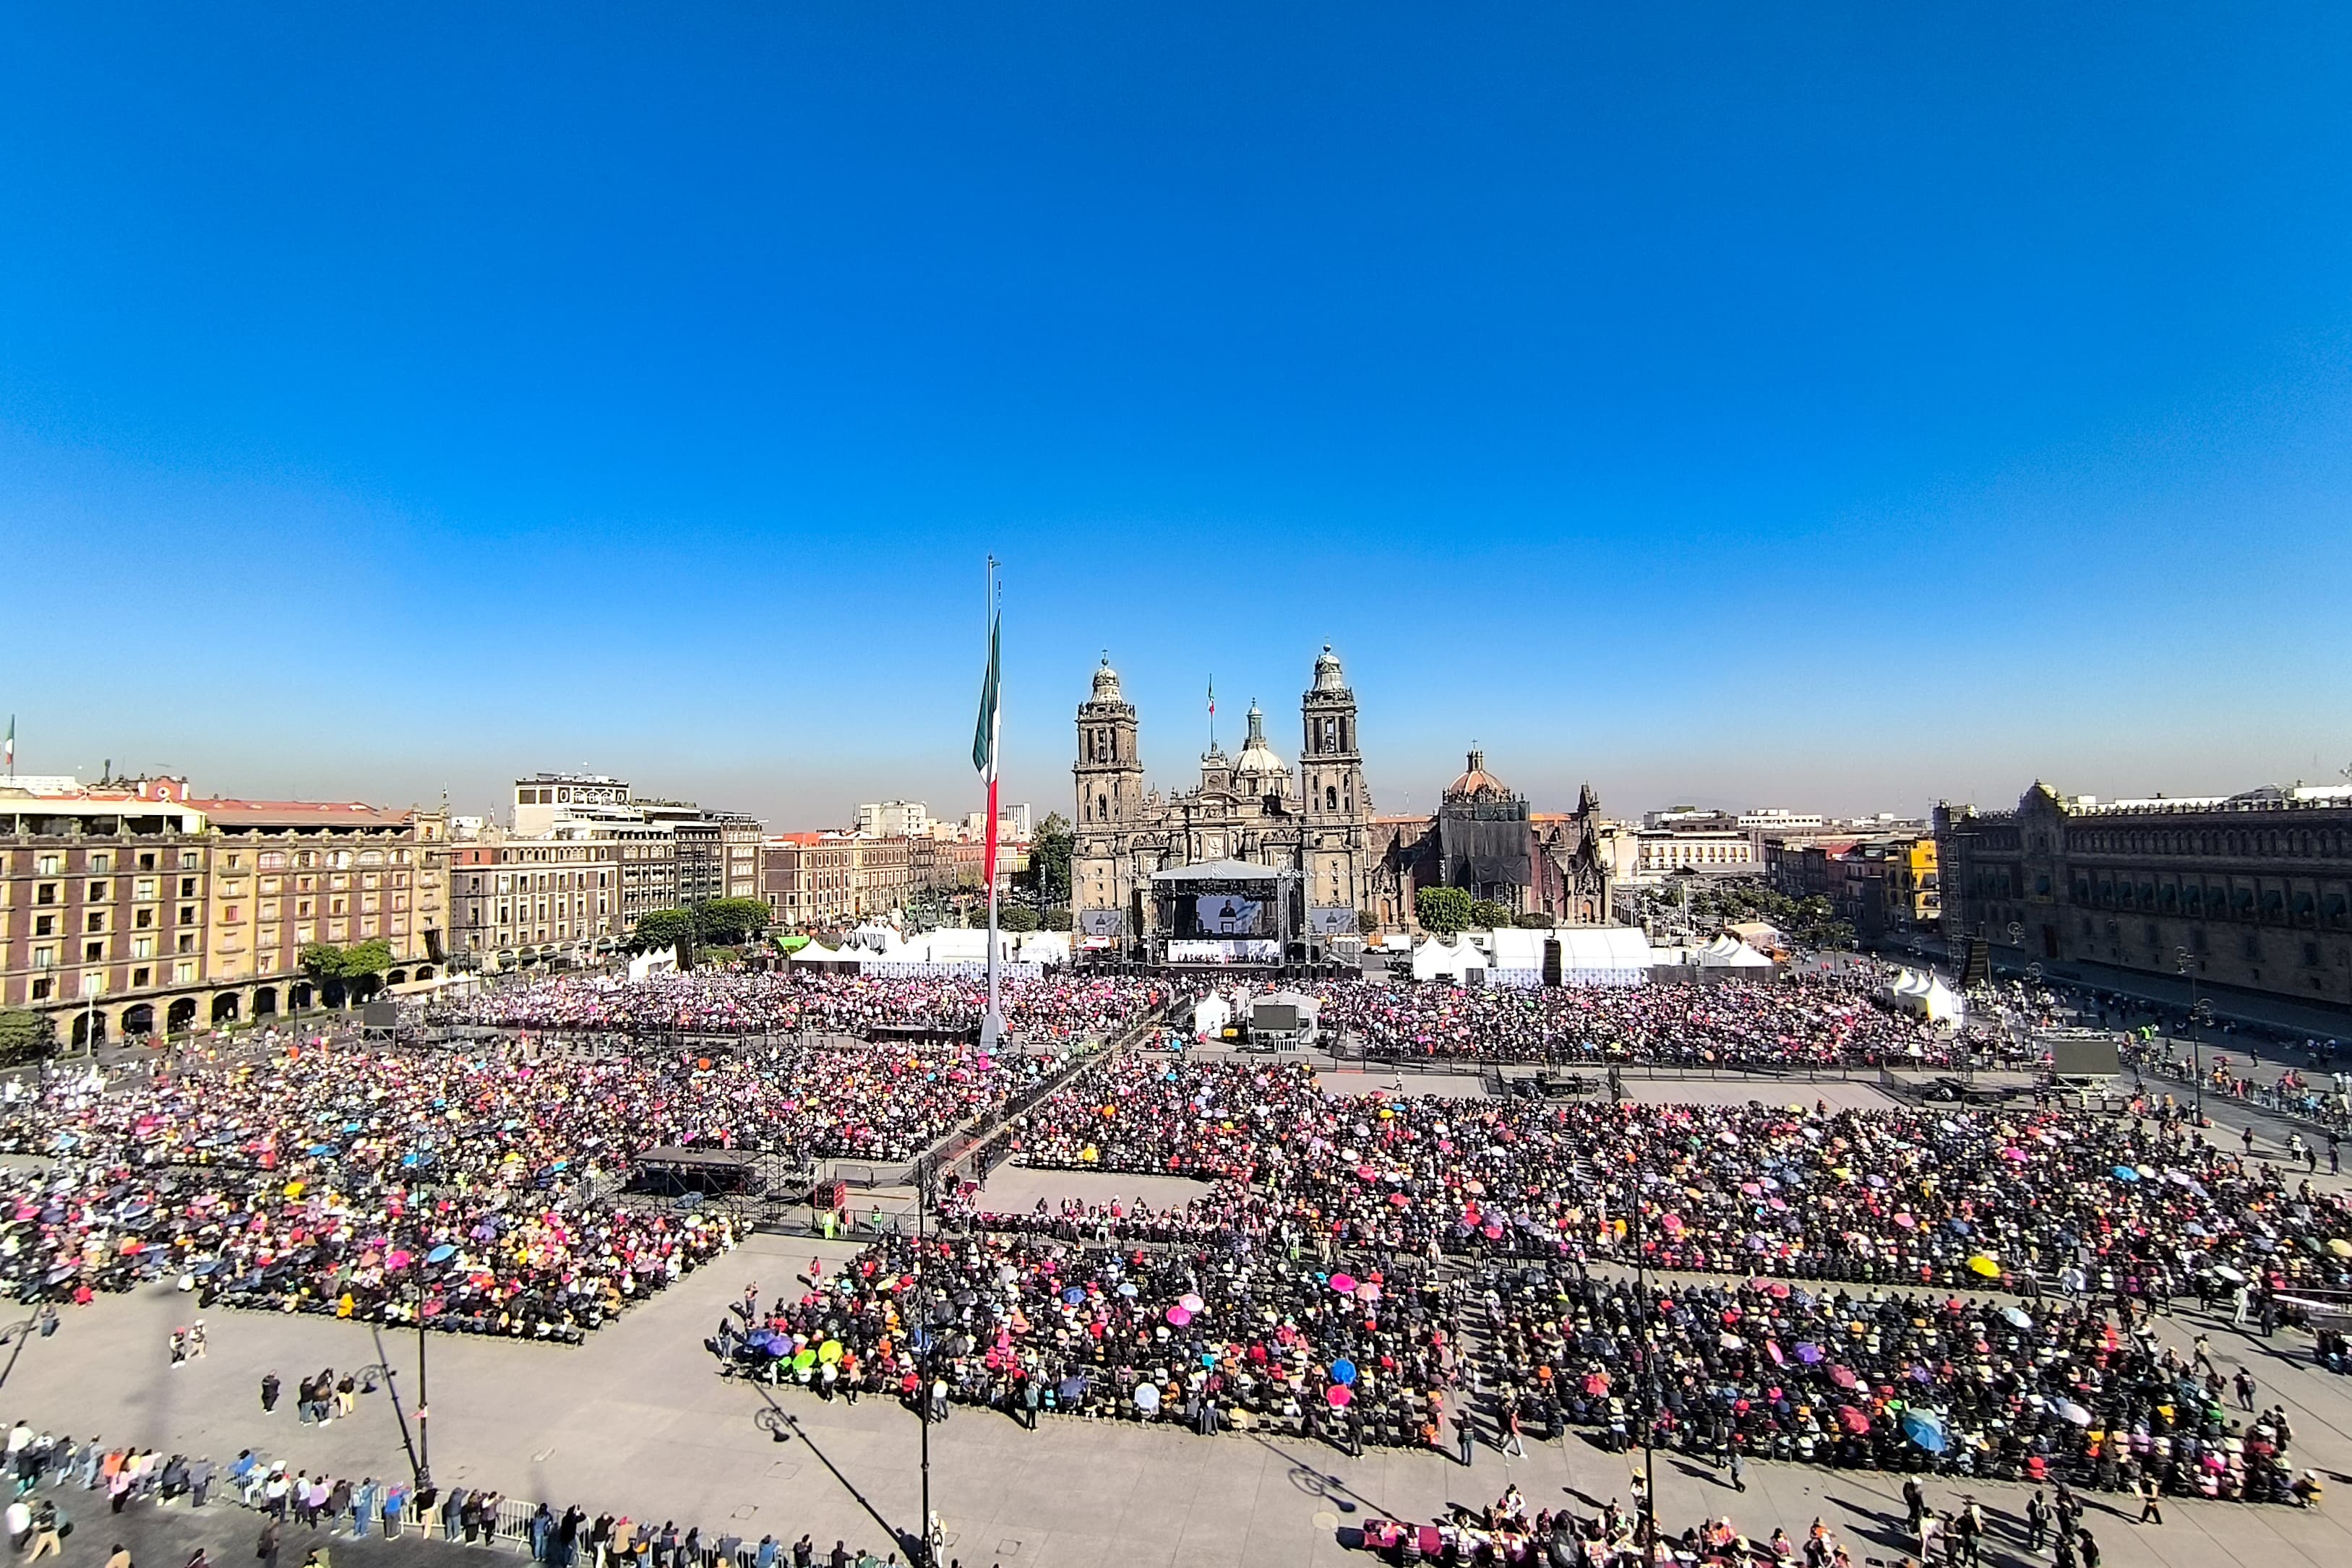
(1210, 1016)
(1455, 961)
(1051, 949)
(1728, 952)
(818, 953)
(1926, 995)
(1589, 954)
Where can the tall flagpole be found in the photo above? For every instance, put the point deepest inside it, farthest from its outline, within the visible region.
(992, 1027)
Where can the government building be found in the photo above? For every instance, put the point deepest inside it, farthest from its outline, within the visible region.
(2252, 891)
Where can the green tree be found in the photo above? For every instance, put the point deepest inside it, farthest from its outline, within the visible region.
(1367, 923)
(1485, 914)
(1535, 920)
(1049, 860)
(322, 961)
(730, 922)
(363, 965)
(1443, 911)
(24, 1036)
(664, 928)
(1054, 919)
(1016, 917)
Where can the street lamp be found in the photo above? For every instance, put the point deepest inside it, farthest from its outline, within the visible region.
(1647, 1372)
(2197, 1011)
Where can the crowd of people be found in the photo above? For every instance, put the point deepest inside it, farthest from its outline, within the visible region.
(47, 1470)
(482, 1187)
(1947, 1196)
(1307, 1283)
(1057, 1009)
(1786, 1020)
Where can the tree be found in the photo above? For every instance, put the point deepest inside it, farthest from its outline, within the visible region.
(1016, 917)
(730, 922)
(1485, 914)
(1443, 911)
(1535, 920)
(322, 961)
(664, 928)
(24, 1036)
(1367, 923)
(1049, 860)
(1054, 919)
(363, 965)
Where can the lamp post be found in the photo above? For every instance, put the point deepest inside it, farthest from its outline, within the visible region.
(1649, 1415)
(2196, 1054)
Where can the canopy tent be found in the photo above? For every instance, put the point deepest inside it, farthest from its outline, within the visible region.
(1210, 1016)
(655, 961)
(1728, 952)
(1756, 933)
(1926, 995)
(1456, 961)
(817, 952)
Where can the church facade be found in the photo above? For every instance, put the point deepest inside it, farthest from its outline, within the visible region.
(1485, 842)
(1315, 824)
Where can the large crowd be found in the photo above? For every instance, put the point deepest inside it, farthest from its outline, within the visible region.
(1053, 1009)
(1787, 1020)
(1304, 1286)
(484, 1187)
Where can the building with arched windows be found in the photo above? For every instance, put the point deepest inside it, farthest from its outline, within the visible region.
(1249, 809)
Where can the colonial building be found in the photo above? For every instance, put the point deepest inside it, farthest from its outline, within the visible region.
(1485, 842)
(130, 908)
(1247, 808)
(2252, 891)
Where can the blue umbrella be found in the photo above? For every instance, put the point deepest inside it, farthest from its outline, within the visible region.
(2124, 1173)
(1073, 1296)
(1925, 1430)
(441, 1254)
(1343, 1372)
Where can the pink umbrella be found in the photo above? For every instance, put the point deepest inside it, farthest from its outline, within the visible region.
(1179, 1316)
(1338, 1395)
(1368, 1291)
(1190, 1302)
(1343, 1283)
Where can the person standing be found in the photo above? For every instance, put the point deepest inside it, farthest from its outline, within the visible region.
(47, 1538)
(1511, 1444)
(269, 1391)
(2149, 1513)
(2037, 1522)
(1465, 1433)
(1739, 1470)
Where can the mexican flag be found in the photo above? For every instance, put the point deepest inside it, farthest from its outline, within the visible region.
(983, 747)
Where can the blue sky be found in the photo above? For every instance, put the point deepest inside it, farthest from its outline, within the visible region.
(1833, 407)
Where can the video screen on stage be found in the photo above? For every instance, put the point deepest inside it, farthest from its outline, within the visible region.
(1224, 915)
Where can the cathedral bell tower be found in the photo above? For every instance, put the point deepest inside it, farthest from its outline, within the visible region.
(1110, 778)
(1335, 849)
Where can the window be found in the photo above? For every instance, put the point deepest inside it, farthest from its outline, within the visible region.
(141, 976)
(45, 957)
(187, 859)
(235, 860)
(97, 893)
(187, 887)
(100, 862)
(273, 859)
(143, 888)
(44, 892)
(49, 865)
(187, 941)
(182, 972)
(187, 914)
(94, 921)
(94, 952)
(147, 861)
(142, 947)
(231, 915)
(43, 990)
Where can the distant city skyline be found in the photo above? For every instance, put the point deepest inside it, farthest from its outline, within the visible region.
(1841, 415)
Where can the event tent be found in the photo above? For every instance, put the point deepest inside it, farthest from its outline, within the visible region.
(1728, 952)
(1926, 995)
(1456, 960)
(1589, 954)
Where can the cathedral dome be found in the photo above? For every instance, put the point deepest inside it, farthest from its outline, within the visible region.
(1327, 678)
(1105, 682)
(1257, 757)
(1476, 783)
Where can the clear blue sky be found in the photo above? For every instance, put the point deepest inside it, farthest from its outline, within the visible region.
(1835, 407)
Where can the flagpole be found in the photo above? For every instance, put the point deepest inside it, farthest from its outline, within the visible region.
(992, 1027)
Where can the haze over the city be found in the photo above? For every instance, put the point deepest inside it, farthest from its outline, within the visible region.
(1840, 409)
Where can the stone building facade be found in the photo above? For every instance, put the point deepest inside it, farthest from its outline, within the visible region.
(1249, 807)
(1487, 841)
(2252, 891)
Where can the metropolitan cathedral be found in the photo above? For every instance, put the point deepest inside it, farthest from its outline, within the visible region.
(1316, 827)
(1248, 808)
